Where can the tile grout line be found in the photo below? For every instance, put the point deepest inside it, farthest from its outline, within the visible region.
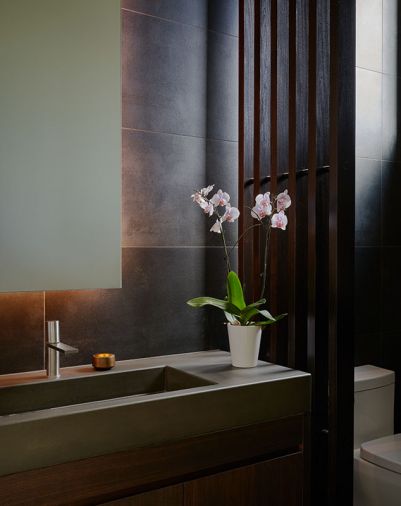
(174, 247)
(168, 20)
(128, 129)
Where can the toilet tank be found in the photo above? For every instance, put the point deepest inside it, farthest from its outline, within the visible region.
(373, 403)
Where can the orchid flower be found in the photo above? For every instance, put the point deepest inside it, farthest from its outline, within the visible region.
(197, 198)
(283, 201)
(263, 206)
(208, 207)
(279, 220)
(220, 198)
(260, 212)
(205, 191)
(216, 227)
(231, 214)
(263, 200)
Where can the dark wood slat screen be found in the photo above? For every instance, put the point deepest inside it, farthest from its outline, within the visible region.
(296, 131)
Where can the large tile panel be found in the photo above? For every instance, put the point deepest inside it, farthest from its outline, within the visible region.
(147, 317)
(222, 87)
(163, 75)
(224, 16)
(160, 172)
(367, 349)
(367, 290)
(391, 293)
(368, 114)
(369, 34)
(391, 118)
(391, 217)
(367, 202)
(391, 37)
(21, 332)
(221, 170)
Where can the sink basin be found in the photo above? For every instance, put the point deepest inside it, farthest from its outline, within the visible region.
(66, 392)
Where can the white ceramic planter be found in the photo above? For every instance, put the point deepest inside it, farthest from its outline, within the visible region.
(244, 344)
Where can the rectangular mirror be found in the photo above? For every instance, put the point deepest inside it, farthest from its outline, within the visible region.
(60, 144)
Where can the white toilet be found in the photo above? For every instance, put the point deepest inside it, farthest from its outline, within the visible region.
(377, 450)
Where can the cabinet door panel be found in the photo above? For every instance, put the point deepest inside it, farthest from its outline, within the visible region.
(272, 483)
(169, 496)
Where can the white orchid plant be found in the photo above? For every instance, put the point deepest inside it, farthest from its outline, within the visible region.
(269, 212)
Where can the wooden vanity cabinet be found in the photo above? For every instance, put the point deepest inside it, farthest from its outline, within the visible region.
(255, 465)
(270, 483)
(250, 470)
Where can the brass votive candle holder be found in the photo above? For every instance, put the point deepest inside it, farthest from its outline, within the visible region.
(103, 361)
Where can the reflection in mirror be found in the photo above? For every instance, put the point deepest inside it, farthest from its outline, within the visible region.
(60, 144)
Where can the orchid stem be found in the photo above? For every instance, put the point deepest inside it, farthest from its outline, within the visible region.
(226, 255)
(267, 242)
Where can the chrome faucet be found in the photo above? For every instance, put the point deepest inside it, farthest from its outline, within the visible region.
(54, 348)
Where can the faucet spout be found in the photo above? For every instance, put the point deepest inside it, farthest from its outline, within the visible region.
(54, 348)
(62, 348)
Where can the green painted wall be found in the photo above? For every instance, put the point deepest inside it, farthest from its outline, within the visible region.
(60, 144)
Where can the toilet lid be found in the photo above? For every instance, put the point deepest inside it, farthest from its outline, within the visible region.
(384, 452)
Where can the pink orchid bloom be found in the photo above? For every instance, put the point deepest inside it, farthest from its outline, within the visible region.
(283, 201)
(261, 212)
(216, 227)
(263, 200)
(279, 220)
(207, 207)
(231, 214)
(197, 197)
(220, 198)
(205, 191)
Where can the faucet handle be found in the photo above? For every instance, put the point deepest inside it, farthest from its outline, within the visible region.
(62, 348)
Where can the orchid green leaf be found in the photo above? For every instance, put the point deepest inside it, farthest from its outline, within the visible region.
(211, 301)
(274, 320)
(234, 291)
(255, 304)
(266, 314)
(230, 318)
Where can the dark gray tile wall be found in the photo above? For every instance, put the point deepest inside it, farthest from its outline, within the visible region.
(179, 132)
(164, 75)
(21, 331)
(378, 189)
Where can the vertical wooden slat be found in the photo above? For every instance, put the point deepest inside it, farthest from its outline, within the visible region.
(273, 171)
(341, 243)
(312, 153)
(241, 134)
(311, 258)
(248, 246)
(292, 183)
(256, 145)
(301, 306)
(333, 248)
